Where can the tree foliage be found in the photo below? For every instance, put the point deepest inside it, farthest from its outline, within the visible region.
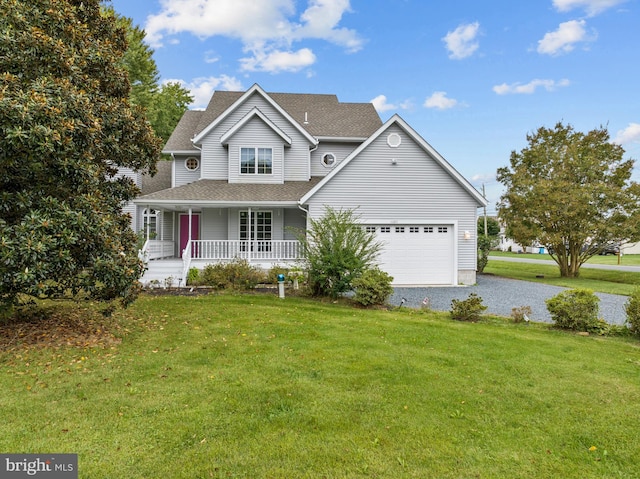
(337, 250)
(493, 227)
(164, 103)
(571, 192)
(66, 126)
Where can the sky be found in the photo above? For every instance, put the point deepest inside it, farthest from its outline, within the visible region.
(472, 77)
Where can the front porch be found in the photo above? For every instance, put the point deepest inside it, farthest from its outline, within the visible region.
(162, 262)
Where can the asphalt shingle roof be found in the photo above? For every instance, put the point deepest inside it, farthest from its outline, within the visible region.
(223, 191)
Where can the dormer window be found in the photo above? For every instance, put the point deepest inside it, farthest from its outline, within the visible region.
(328, 160)
(191, 163)
(256, 161)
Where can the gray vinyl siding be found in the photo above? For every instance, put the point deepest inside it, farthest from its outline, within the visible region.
(214, 224)
(256, 134)
(130, 209)
(340, 150)
(215, 157)
(182, 176)
(416, 188)
(293, 220)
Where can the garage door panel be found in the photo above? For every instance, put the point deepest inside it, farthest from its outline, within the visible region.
(417, 255)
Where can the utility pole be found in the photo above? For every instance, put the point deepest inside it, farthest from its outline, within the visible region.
(485, 212)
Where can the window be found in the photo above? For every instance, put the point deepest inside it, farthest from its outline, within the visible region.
(256, 231)
(385, 229)
(150, 223)
(442, 229)
(191, 163)
(414, 229)
(328, 160)
(428, 229)
(399, 229)
(256, 161)
(370, 229)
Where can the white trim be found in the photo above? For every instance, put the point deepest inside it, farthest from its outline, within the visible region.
(254, 89)
(224, 139)
(255, 173)
(397, 120)
(186, 160)
(335, 160)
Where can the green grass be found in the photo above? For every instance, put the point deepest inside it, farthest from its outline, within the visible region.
(625, 260)
(257, 387)
(604, 281)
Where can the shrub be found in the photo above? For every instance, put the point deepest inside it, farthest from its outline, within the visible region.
(193, 277)
(468, 309)
(576, 310)
(632, 308)
(237, 274)
(336, 251)
(272, 274)
(373, 287)
(484, 247)
(520, 314)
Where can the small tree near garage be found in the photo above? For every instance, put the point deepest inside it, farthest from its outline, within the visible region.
(572, 192)
(337, 250)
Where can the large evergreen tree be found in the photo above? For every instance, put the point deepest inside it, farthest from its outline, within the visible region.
(66, 125)
(164, 104)
(572, 192)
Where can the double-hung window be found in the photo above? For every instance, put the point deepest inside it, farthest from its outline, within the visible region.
(256, 161)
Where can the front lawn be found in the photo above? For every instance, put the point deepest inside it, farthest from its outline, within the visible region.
(257, 387)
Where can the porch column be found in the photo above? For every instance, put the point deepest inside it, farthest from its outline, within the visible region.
(146, 217)
(190, 216)
(249, 225)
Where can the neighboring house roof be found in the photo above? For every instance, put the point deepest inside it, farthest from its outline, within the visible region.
(223, 192)
(397, 120)
(318, 116)
(160, 181)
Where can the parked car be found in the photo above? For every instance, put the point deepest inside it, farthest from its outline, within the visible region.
(610, 248)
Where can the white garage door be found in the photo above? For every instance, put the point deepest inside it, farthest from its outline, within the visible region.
(417, 255)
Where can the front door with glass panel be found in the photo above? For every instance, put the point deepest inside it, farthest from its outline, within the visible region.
(255, 232)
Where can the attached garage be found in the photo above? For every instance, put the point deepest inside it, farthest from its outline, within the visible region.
(417, 254)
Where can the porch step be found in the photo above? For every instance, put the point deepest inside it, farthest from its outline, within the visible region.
(161, 271)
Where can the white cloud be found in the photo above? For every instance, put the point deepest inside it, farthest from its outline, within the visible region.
(592, 7)
(531, 87)
(563, 40)
(202, 88)
(381, 105)
(631, 134)
(461, 42)
(277, 61)
(210, 57)
(267, 28)
(440, 101)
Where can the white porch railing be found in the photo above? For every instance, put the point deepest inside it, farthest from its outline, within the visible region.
(249, 250)
(186, 262)
(157, 249)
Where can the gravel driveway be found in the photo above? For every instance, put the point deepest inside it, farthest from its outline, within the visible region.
(501, 295)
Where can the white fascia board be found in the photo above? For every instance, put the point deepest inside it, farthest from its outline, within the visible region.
(396, 119)
(341, 139)
(181, 152)
(255, 112)
(254, 89)
(205, 203)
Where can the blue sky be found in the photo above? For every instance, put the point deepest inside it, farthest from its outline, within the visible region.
(471, 77)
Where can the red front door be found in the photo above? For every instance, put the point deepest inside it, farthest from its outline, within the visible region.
(184, 232)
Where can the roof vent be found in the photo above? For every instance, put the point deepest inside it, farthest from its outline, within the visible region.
(306, 118)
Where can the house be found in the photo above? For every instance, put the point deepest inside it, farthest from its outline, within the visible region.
(254, 165)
